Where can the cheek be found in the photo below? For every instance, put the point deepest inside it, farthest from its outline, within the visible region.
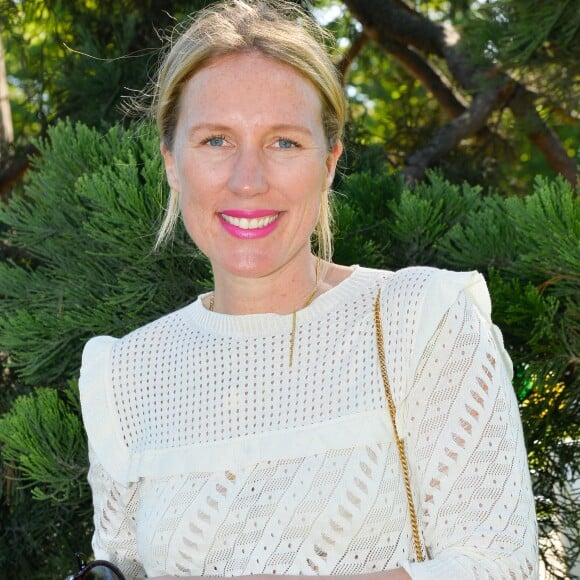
(196, 230)
(304, 178)
(196, 216)
(316, 184)
(199, 189)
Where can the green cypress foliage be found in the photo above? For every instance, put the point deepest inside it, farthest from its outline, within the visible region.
(86, 226)
(43, 436)
(87, 222)
(47, 515)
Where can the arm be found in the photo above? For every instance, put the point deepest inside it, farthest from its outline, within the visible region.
(115, 505)
(466, 451)
(115, 509)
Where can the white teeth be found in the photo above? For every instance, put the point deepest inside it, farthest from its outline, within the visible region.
(250, 224)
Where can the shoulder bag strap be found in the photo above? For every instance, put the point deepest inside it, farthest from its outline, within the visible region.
(400, 444)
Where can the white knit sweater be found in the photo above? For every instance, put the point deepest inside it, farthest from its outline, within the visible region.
(210, 455)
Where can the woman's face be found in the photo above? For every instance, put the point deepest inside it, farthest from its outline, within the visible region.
(250, 160)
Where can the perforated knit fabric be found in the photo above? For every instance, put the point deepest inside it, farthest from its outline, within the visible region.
(211, 456)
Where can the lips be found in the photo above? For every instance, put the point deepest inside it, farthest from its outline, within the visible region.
(246, 223)
(249, 224)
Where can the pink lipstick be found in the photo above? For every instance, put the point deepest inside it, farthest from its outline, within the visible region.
(249, 224)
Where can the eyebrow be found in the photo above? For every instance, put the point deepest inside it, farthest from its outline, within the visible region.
(218, 128)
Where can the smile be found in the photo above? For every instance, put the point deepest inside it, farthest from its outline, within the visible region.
(250, 223)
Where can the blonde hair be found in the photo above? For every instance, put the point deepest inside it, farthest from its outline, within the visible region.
(275, 28)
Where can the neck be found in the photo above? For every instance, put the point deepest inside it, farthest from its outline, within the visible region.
(283, 292)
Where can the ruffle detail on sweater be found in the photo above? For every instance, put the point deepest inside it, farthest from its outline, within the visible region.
(445, 288)
(127, 466)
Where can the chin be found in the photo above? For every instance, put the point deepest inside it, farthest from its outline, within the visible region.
(248, 267)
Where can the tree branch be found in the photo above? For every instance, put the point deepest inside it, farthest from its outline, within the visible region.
(541, 135)
(396, 28)
(468, 123)
(397, 23)
(428, 75)
(347, 59)
(393, 25)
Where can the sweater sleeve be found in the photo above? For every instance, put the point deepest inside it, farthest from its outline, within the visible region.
(466, 449)
(115, 509)
(115, 504)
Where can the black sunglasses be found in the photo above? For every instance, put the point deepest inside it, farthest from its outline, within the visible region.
(96, 570)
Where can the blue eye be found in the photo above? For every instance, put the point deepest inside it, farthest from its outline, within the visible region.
(216, 141)
(287, 143)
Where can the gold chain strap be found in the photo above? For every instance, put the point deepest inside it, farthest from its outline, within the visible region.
(400, 444)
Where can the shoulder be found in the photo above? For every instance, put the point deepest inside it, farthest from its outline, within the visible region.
(130, 361)
(421, 300)
(419, 294)
(99, 351)
(426, 279)
(162, 327)
(100, 348)
(415, 300)
(416, 285)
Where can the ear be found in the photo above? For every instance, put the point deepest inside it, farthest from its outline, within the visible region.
(170, 171)
(332, 161)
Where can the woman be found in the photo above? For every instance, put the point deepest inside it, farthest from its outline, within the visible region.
(249, 432)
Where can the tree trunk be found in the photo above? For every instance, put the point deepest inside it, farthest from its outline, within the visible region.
(410, 37)
(6, 129)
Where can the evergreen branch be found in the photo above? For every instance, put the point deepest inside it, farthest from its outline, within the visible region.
(45, 441)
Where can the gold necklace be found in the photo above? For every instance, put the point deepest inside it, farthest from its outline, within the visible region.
(306, 303)
(293, 333)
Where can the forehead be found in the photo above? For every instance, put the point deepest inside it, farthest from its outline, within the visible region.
(250, 83)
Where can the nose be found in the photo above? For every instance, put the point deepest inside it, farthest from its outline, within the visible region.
(248, 175)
